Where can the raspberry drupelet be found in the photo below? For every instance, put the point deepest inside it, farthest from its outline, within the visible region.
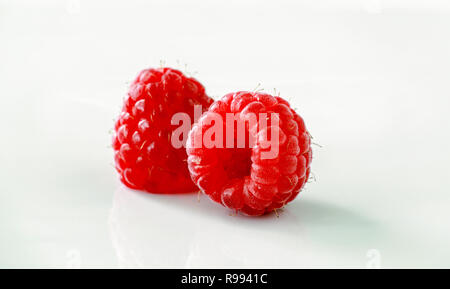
(240, 178)
(144, 156)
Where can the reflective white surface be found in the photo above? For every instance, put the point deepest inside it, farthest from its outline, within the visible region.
(370, 79)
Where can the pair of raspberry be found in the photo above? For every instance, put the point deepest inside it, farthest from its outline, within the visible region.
(238, 178)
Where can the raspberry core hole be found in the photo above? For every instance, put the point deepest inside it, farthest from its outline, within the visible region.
(237, 162)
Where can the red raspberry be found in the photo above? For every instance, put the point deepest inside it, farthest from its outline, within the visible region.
(239, 178)
(144, 156)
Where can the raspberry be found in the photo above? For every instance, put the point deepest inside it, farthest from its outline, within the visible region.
(144, 156)
(239, 178)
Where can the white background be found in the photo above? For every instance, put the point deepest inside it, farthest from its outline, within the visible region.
(370, 78)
